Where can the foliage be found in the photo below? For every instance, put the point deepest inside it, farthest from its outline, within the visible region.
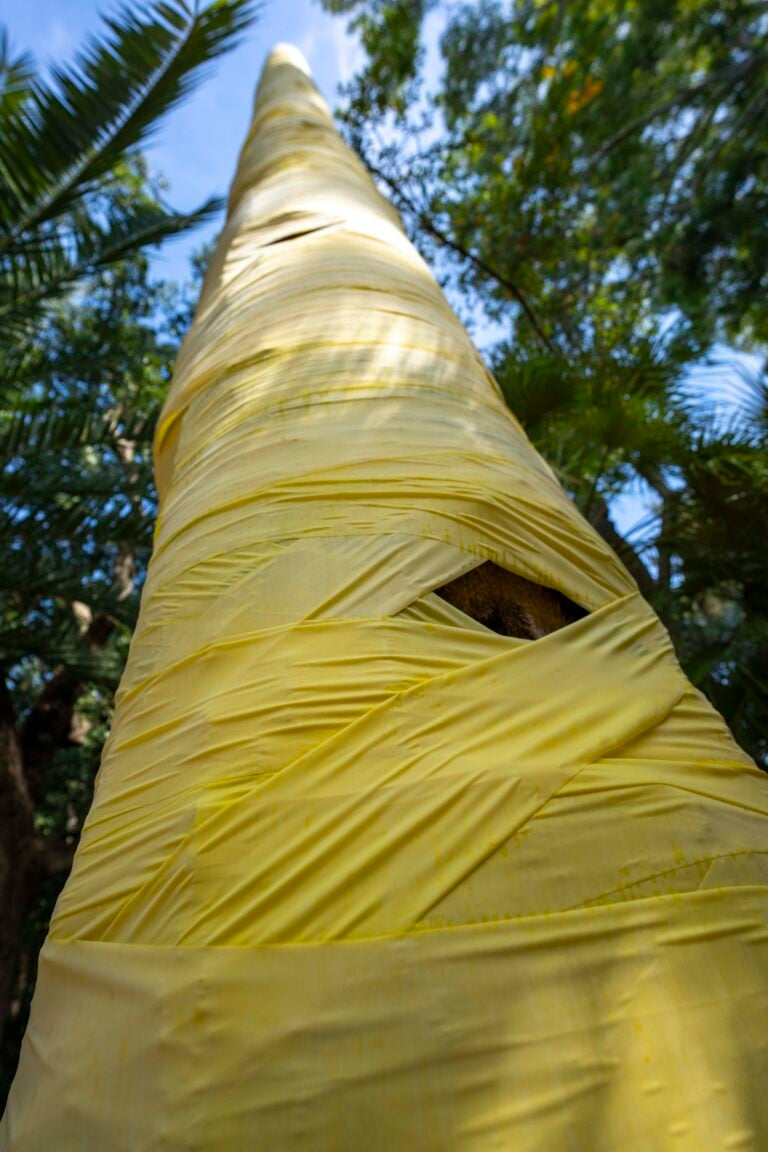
(87, 340)
(78, 510)
(62, 214)
(387, 81)
(593, 179)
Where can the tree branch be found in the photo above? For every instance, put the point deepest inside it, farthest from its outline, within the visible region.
(15, 799)
(50, 858)
(654, 478)
(599, 518)
(50, 725)
(429, 226)
(726, 76)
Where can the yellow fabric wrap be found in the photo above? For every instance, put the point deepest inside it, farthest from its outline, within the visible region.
(359, 872)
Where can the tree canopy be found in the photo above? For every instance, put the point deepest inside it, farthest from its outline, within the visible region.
(78, 508)
(593, 179)
(87, 340)
(589, 180)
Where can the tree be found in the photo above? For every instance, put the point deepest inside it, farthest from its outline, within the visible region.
(78, 503)
(87, 340)
(366, 865)
(62, 217)
(527, 113)
(614, 252)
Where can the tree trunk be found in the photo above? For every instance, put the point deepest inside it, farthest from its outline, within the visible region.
(410, 832)
(16, 858)
(26, 857)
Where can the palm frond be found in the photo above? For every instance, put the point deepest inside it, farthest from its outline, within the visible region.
(60, 644)
(34, 427)
(44, 267)
(16, 76)
(72, 132)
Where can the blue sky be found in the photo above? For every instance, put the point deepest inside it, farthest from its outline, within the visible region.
(197, 145)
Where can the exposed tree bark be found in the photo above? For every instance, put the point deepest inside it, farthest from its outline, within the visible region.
(509, 604)
(52, 723)
(47, 728)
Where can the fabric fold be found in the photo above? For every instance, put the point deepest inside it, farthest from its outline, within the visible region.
(361, 872)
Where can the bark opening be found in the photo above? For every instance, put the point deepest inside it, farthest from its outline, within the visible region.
(510, 604)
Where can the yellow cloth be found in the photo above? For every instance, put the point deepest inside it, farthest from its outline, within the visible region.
(360, 873)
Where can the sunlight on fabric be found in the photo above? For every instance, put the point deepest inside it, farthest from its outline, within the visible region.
(360, 872)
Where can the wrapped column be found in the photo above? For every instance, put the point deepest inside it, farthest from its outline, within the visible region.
(364, 870)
